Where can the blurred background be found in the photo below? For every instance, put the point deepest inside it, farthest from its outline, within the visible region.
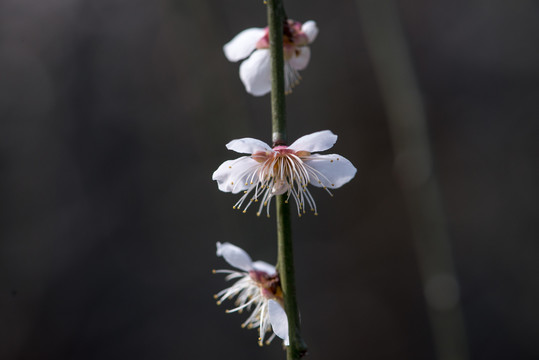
(114, 114)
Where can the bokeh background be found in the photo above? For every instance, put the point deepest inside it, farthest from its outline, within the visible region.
(114, 114)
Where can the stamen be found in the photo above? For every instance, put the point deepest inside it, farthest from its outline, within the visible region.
(282, 171)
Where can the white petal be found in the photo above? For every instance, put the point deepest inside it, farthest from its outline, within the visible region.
(278, 320)
(232, 175)
(318, 141)
(243, 44)
(235, 256)
(310, 29)
(255, 73)
(247, 146)
(332, 170)
(300, 61)
(265, 267)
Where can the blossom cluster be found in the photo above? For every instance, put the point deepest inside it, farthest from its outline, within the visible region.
(265, 171)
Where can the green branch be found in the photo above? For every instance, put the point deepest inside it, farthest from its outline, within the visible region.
(276, 19)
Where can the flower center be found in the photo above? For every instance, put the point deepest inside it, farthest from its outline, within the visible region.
(293, 38)
(281, 168)
(281, 171)
(270, 285)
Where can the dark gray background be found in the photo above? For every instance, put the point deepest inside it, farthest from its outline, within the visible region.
(114, 114)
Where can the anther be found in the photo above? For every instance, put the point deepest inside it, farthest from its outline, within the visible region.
(244, 211)
(230, 167)
(213, 271)
(331, 160)
(232, 183)
(332, 184)
(258, 213)
(219, 302)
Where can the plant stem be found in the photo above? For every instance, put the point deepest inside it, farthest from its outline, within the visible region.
(276, 19)
(285, 261)
(297, 347)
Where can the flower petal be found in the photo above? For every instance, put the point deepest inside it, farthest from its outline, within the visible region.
(247, 146)
(243, 44)
(235, 256)
(255, 73)
(310, 29)
(318, 141)
(265, 267)
(331, 171)
(278, 320)
(301, 61)
(232, 175)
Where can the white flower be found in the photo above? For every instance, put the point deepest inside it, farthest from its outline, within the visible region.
(283, 170)
(255, 72)
(258, 288)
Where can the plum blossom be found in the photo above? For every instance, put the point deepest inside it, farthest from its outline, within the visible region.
(267, 172)
(258, 289)
(253, 44)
